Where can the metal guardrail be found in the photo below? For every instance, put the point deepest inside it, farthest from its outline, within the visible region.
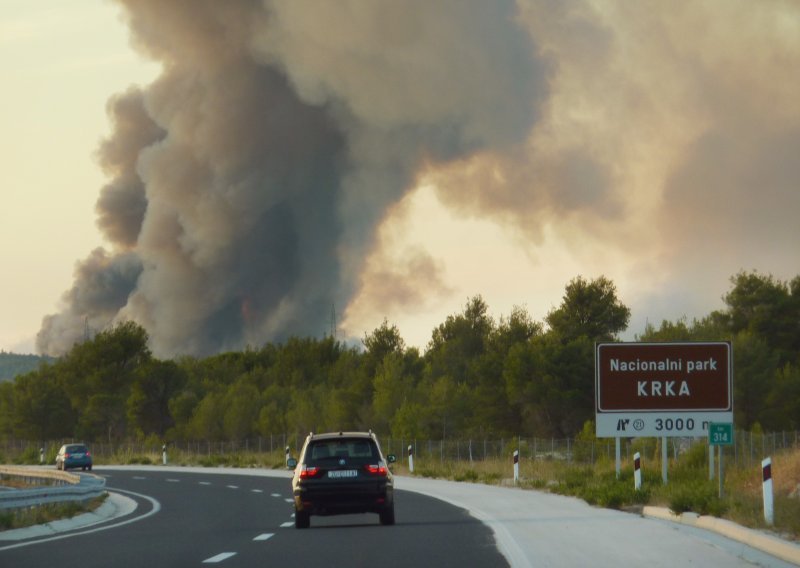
(67, 487)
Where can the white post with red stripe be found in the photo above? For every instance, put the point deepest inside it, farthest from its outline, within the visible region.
(411, 458)
(516, 467)
(637, 471)
(164, 454)
(766, 472)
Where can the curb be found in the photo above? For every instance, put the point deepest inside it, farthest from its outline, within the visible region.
(778, 548)
(115, 506)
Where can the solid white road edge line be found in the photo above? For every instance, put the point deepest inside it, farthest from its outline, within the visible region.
(156, 508)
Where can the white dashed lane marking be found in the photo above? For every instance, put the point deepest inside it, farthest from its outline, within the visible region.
(257, 490)
(287, 525)
(232, 486)
(289, 500)
(173, 480)
(276, 494)
(219, 557)
(265, 536)
(139, 477)
(204, 482)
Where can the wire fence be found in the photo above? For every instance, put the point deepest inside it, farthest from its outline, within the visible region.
(748, 448)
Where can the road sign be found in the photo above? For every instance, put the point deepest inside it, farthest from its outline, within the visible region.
(662, 389)
(720, 434)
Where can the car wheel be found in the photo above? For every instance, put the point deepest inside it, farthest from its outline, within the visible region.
(302, 520)
(90, 468)
(387, 515)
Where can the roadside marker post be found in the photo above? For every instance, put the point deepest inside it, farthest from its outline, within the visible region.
(164, 454)
(41, 456)
(516, 467)
(637, 471)
(766, 475)
(288, 454)
(411, 458)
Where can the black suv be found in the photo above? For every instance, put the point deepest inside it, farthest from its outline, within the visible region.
(340, 473)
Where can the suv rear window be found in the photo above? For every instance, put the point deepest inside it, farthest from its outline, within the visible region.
(341, 448)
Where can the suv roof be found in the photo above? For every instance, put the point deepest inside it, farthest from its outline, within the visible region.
(334, 435)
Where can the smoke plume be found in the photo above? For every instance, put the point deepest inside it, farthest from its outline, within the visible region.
(248, 181)
(268, 173)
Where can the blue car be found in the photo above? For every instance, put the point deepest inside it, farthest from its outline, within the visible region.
(73, 456)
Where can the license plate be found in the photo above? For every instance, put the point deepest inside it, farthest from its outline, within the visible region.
(340, 473)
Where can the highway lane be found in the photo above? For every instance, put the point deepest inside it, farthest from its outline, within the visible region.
(198, 519)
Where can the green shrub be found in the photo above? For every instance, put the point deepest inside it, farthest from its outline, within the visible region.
(6, 521)
(695, 458)
(469, 475)
(144, 460)
(491, 478)
(577, 477)
(698, 497)
(27, 457)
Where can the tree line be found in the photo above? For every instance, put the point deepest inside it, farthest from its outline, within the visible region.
(13, 364)
(476, 377)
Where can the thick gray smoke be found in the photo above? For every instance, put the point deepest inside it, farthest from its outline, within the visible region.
(248, 180)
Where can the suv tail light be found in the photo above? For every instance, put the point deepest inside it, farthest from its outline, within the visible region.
(308, 472)
(378, 469)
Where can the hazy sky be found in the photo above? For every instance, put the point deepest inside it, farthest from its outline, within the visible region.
(524, 144)
(61, 61)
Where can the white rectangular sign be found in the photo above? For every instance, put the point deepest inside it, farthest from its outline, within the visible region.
(658, 424)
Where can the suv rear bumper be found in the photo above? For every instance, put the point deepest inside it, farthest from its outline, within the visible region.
(338, 499)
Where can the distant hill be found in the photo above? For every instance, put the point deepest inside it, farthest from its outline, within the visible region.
(12, 364)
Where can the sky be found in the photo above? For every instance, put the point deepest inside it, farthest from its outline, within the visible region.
(228, 174)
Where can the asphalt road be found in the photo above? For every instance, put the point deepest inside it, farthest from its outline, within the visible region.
(188, 519)
(193, 516)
